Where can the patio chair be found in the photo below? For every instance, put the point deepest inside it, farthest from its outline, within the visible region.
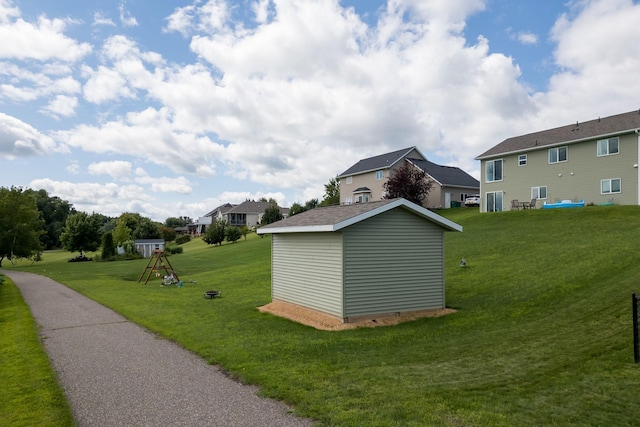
(532, 205)
(515, 205)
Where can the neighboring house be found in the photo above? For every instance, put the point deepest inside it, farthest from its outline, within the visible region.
(594, 161)
(364, 181)
(360, 260)
(249, 213)
(147, 246)
(200, 226)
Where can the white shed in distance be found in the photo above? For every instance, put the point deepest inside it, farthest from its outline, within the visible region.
(360, 261)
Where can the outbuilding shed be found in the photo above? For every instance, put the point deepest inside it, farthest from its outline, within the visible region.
(147, 246)
(361, 260)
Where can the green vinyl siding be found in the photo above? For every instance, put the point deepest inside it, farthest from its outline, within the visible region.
(579, 178)
(393, 262)
(307, 270)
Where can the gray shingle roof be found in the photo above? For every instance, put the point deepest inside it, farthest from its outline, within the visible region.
(334, 218)
(447, 175)
(601, 127)
(383, 161)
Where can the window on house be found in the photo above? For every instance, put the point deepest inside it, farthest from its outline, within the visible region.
(522, 160)
(494, 201)
(349, 179)
(608, 186)
(539, 192)
(379, 175)
(463, 196)
(494, 170)
(557, 154)
(609, 146)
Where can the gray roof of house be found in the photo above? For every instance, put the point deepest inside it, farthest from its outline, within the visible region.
(334, 218)
(252, 207)
(575, 132)
(383, 161)
(222, 209)
(447, 175)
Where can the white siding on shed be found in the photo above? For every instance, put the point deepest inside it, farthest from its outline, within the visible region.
(393, 262)
(307, 270)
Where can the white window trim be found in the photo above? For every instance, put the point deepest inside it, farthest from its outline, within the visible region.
(379, 175)
(486, 200)
(522, 160)
(610, 179)
(349, 180)
(558, 154)
(485, 170)
(607, 153)
(538, 187)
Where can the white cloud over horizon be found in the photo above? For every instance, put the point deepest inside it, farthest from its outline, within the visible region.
(291, 96)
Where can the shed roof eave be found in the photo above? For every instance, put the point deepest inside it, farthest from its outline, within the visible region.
(297, 229)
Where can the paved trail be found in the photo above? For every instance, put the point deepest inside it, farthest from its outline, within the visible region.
(116, 373)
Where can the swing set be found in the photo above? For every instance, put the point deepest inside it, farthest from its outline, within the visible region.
(157, 262)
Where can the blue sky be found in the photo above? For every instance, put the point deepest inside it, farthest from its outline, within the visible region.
(172, 108)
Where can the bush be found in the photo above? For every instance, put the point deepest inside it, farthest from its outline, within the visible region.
(215, 234)
(174, 249)
(233, 234)
(185, 238)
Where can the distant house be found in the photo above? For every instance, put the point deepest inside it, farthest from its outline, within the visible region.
(364, 181)
(249, 213)
(147, 246)
(595, 161)
(202, 223)
(246, 214)
(360, 260)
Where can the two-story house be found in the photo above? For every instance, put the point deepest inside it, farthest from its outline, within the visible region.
(364, 181)
(595, 161)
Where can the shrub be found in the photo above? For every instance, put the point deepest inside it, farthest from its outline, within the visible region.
(174, 249)
(183, 239)
(233, 234)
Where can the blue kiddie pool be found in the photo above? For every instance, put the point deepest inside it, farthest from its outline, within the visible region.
(563, 204)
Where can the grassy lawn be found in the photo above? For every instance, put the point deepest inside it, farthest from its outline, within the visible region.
(30, 394)
(542, 335)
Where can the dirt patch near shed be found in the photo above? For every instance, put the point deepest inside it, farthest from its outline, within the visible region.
(325, 322)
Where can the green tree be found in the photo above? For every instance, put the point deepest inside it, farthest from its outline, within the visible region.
(215, 234)
(81, 233)
(271, 213)
(173, 222)
(122, 233)
(146, 229)
(244, 230)
(20, 224)
(108, 248)
(54, 211)
(168, 234)
(296, 208)
(331, 193)
(408, 182)
(311, 204)
(233, 234)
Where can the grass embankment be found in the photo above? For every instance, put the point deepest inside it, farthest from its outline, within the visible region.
(542, 334)
(29, 392)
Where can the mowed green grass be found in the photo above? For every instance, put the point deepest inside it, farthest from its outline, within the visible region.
(542, 334)
(29, 392)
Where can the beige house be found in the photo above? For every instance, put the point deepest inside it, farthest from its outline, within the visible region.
(360, 260)
(594, 161)
(364, 181)
(246, 214)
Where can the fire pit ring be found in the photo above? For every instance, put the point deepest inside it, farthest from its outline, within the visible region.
(212, 294)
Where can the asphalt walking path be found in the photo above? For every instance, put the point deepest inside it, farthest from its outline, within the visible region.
(115, 373)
